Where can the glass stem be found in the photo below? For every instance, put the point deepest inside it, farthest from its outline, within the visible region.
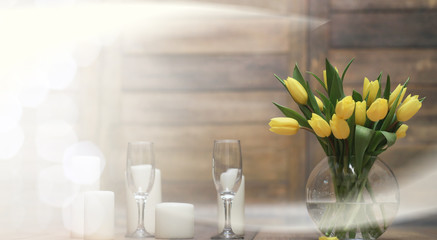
(141, 203)
(227, 206)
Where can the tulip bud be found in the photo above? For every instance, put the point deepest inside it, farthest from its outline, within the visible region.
(345, 108)
(319, 103)
(378, 110)
(408, 108)
(360, 113)
(284, 126)
(319, 125)
(395, 94)
(339, 127)
(296, 90)
(370, 89)
(402, 131)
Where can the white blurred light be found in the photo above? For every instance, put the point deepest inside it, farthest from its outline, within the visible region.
(10, 112)
(58, 106)
(54, 188)
(34, 85)
(53, 138)
(13, 216)
(87, 51)
(54, 2)
(43, 215)
(11, 142)
(84, 148)
(61, 71)
(82, 169)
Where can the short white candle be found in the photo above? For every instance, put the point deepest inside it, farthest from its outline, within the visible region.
(237, 211)
(174, 220)
(154, 198)
(85, 171)
(99, 215)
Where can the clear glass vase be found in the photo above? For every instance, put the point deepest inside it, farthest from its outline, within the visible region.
(352, 198)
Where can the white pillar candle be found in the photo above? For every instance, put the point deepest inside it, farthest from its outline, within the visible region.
(174, 220)
(237, 211)
(154, 198)
(99, 215)
(85, 171)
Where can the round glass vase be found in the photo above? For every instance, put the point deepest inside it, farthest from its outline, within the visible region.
(352, 198)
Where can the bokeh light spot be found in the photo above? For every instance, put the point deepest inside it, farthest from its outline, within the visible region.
(84, 148)
(11, 142)
(87, 51)
(54, 188)
(53, 138)
(82, 169)
(10, 112)
(58, 106)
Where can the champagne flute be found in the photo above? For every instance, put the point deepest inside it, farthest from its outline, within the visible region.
(227, 172)
(140, 176)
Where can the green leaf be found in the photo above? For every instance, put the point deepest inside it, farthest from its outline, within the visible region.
(297, 75)
(293, 114)
(318, 79)
(345, 70)
(387, 88)
(421, 100)
(335, 85)
(382, 140)
(356, 96)
(312, 100)
(328, 107)
(389, 118)
(363, 136)
(280, 80)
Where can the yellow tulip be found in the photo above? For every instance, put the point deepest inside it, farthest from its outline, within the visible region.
(296, 90)
(371, 89)
(378, 110)
(408, 108)
(395, 94)
(319, 125)
(328, 238)
(319, 103)
(339, 127)
(345, 108)
(284, 126)
(360, 113)
(402, 131)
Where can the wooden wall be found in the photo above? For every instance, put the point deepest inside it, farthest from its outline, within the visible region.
(194, 80)
(185, 83)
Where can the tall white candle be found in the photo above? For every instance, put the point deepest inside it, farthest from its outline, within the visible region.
(174, 220)
(237, 210)
(85, 171)
(154, 198)
(99, 215)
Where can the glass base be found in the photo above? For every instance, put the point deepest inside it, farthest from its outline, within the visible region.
(140, 233)
(227, 235)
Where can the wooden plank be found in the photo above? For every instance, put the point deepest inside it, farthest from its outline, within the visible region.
(163, 108)
(211, 36)
(204, 192)
(383, 29)
(205, 72)
(418, 64)
(368, 5)
(184, 153)
(277, 6)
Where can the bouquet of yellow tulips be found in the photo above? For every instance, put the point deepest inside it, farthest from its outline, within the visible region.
(353, 130)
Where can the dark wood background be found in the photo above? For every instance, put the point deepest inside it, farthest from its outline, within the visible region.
(197, 81)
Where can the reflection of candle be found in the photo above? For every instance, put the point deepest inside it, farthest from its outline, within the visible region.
(237, 211)
(99, 215)
(228, 178)
(174, 220)
(149, 212)
(85, 171)
(141, 176)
